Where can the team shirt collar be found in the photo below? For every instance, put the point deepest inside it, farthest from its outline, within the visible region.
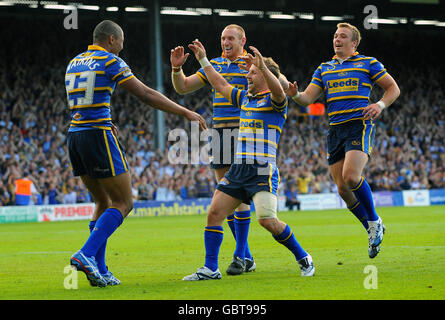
(96, 47)
(259, 94)
(342, 60)
(244, 54)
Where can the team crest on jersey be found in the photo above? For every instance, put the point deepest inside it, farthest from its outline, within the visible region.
(77, 116)
(359, 64)
(126, 70)
(331, 67)
(262, 102)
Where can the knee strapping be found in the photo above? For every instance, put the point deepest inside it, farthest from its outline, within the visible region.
(265, 205)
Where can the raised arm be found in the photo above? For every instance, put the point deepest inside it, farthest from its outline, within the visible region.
(273, 83)
(306, 97)
(216, 80)
(181, 82)
(157, 100)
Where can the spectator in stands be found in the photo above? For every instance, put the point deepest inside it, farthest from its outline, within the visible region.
(292, 198)
(25, 189)
(5, 197)
(33, 105)
(304, 181)
(70, 196)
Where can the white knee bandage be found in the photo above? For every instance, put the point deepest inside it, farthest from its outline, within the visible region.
(265, 205)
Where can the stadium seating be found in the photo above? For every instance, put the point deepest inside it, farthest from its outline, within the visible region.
(409, 151)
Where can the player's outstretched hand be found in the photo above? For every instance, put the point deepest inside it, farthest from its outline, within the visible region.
(292, 90)
(372, 111)
(193, 116)
(257, 59)
(249, 59)
(198, 49)
(177, 56)
(247, 62)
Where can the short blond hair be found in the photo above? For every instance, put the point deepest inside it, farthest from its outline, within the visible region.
(355, 32)
(237, 27)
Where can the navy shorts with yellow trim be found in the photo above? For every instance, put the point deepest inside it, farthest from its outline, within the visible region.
(223, 147)
(351, 135)
(243, 181)
(96, 153)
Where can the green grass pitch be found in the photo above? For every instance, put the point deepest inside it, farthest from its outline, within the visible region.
(151, 255)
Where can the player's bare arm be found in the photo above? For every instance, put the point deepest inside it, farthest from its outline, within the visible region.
(306, 97)
(276, 90)
(392, 92)
(159, 101)
(216, 80)
(182, 83)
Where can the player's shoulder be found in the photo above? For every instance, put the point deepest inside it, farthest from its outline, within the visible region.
(364, 58)
(218, 60)
(328, 64)
(119, 60)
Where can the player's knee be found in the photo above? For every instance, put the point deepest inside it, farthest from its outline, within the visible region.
(102, 205)
(214, 217)
(267, 224)
(351, 178)
(273, 225)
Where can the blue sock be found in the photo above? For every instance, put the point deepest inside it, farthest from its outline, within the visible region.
(108, 222)
(213, 237)
(100, 255)
(288, 239)
(231, 223)
(242, 224)
(362, 192)
(359, 212)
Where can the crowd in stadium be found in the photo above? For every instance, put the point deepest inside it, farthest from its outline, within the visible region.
(408, 154)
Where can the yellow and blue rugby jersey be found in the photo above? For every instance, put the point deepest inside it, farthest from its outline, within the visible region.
(90, 80)
(261, 124)
(223, 111)
(348, 85)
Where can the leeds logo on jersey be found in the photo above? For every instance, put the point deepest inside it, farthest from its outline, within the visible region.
(251, 125)
(340, 85)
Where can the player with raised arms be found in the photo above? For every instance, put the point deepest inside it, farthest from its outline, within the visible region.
(347, 80)
(94, 150)
(254, 175)
(225, 127)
